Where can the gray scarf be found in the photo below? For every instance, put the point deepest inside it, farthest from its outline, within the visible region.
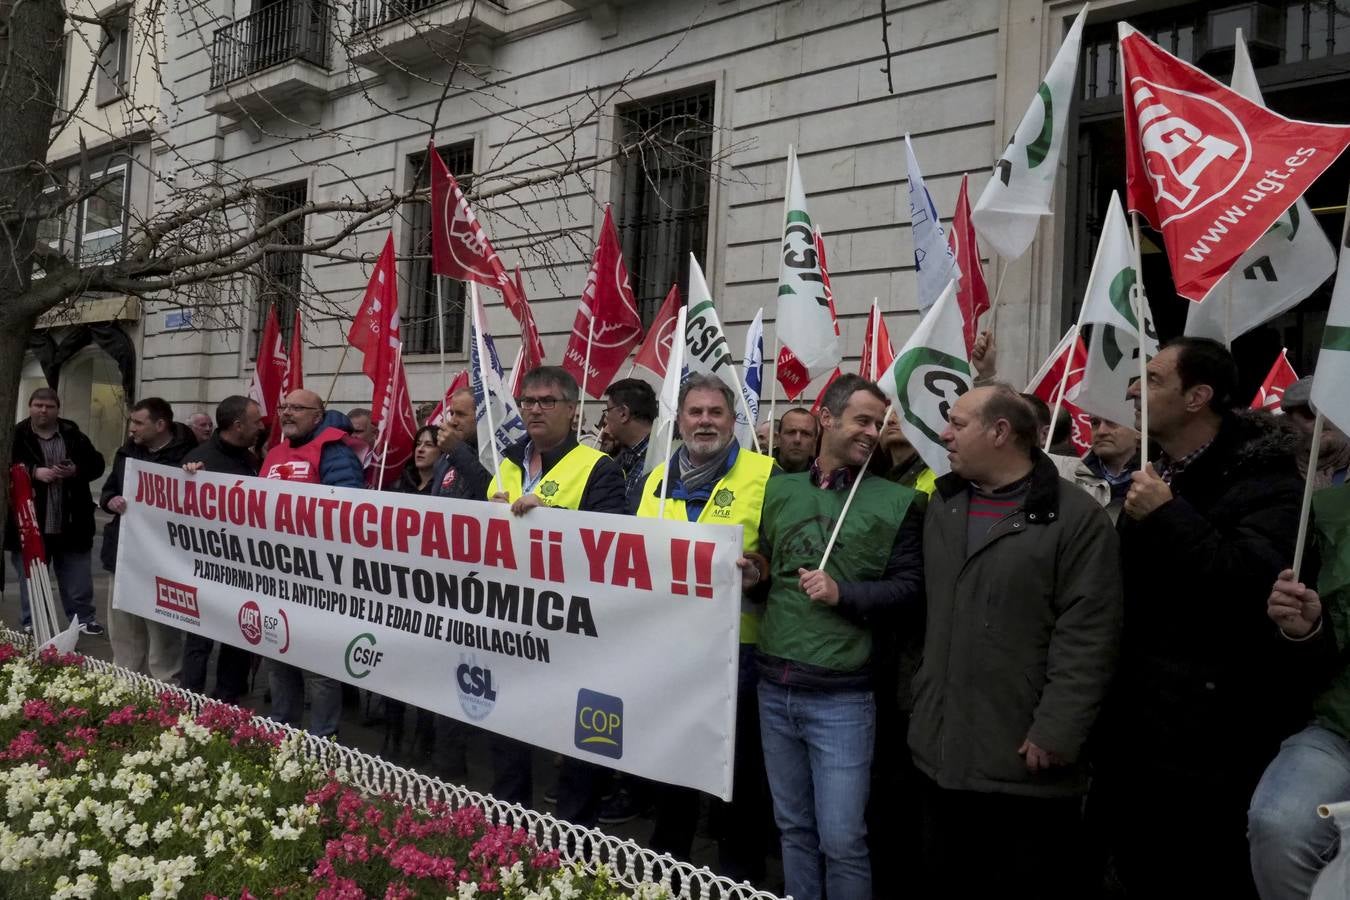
(694, 477)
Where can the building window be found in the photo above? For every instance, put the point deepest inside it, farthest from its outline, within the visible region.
(53, 231)
(664, 190)
(417, 318)
(113, 59)
(282, 273)
(103, 216)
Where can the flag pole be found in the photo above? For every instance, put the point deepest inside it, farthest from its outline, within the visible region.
(1303, 515)
(745, 405)
(773, 388)
(585, 372)
(876, 327)
(387, 421)
(336, 372)
(998, 294)
(680, 319)
(1140, 307)
(1063, 386)
(862, 473)
(440, 329)
(482, 379)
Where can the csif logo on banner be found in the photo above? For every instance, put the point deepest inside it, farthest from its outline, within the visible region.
(1187, 157)
(362, 657)
(599, 724)
(473, 683)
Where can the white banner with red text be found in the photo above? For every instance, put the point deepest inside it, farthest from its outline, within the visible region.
(608, 638)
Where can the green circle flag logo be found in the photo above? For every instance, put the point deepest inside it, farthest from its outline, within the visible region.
(362, 656)
(548, 488)
(927, 383)
(723, 498)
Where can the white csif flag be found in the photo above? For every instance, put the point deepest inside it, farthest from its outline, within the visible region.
(1022, 188)
(928, 374)
(804, 322)
(1113, 350)
(1289, 262)
(934, 264)
(706, 349)
(1331, 385)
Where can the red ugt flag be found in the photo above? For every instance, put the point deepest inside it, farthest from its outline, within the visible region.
(1207, 167)
(655, 350)
(269, 376)
(607, 317)
(1281, 376)
(1045, 384)
(972, 292)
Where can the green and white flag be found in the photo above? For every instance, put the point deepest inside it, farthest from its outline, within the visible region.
(706, 349)
(1022, 187)
(927, 376)
(1331, 382)
(1289, 262)
(1113, 350)
(805, 325)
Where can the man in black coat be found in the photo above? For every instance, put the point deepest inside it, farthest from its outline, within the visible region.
(151, 648)
(458, 473)
(1201, 699)
(62, 462)
(229, 451)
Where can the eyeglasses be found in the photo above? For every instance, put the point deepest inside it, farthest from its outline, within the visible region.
(544, 403)
(295, 407)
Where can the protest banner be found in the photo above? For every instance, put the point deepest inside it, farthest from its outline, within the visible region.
(611, 639)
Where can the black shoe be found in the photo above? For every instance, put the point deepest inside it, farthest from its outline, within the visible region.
(551, 796)
(619, 808)
(91, 626)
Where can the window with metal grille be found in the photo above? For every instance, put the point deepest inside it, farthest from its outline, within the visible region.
(279, 283)
(417, 318)
(663, 204)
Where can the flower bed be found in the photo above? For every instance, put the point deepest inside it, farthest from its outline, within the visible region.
(114, 789)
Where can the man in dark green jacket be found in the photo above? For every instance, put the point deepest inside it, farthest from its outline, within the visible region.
(1024, 615)
(816, 706)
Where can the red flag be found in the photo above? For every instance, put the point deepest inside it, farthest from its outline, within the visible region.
(25, 515)
(269, 372)
(655, 349)
(607, 317)
(1207, 167)
(1046, 386)
(815, 407)
(972, 293)
(1281, 376)
(870, 368)
(532, 346)
(375, 333)
(789, 371)
(457, 384)
(292, 377)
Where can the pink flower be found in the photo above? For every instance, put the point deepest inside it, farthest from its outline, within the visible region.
(397, 891)
(124, 716)
(39, 710)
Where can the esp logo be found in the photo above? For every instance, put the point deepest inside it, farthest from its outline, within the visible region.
(477, 695)
(599, 723)
(175, 597)
(1191, 161)
(250, 622)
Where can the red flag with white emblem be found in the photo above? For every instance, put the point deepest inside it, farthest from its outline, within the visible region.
(1046, 384)
(607, 326)
(458, 383)
(1207, 167)
(1271, 394)
(655, 350)
(269, 376)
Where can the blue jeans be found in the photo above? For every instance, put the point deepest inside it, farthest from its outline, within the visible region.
(818, 755)
(288, 698)
(74, 578)
(1290, 843)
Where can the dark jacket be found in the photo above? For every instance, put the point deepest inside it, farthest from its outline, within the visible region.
(606, 490)
(77, 504)
(459, 474)
(181, 442)
(409, 482)
(225, 458)
(1202, 691)
(1021, 638)
(339, 466)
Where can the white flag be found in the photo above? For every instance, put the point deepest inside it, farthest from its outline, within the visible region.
(489, 386)
(1113, 350)
(706, 349)
(1023, 184)
(1289, 262)
(934, 264)
(667, 401)
(1331, 382)
(928, 374)
(803, 319)
(752, 371)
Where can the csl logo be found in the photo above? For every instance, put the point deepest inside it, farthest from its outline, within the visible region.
(477, 696)
(177, 598)
(362, 657)
(599, 723)
(250, 622)
(1190, 163)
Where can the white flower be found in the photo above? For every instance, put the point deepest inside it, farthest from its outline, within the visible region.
(467, 891)
(136, 835)
(127, 869)
(88, 860)
(513, 877)
(163, 831)
(41, 821)
(215, 843)
(285, 832)
(82, 888)
(192, 730)
(112, 818)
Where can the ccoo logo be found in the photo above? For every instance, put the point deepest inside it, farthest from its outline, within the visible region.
(1190, 161)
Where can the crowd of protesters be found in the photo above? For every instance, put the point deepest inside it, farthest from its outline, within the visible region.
(1034, 676)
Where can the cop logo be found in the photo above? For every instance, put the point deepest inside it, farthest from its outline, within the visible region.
(477, 694)
(362, 657)
(250, 622)
(599, 724)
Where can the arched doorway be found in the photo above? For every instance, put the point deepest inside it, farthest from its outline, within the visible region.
(92, 396)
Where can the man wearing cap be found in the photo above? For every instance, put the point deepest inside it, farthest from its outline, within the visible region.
(1333, 457)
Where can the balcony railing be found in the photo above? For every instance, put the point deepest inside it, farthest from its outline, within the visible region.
(280, 32)
(374, 13)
